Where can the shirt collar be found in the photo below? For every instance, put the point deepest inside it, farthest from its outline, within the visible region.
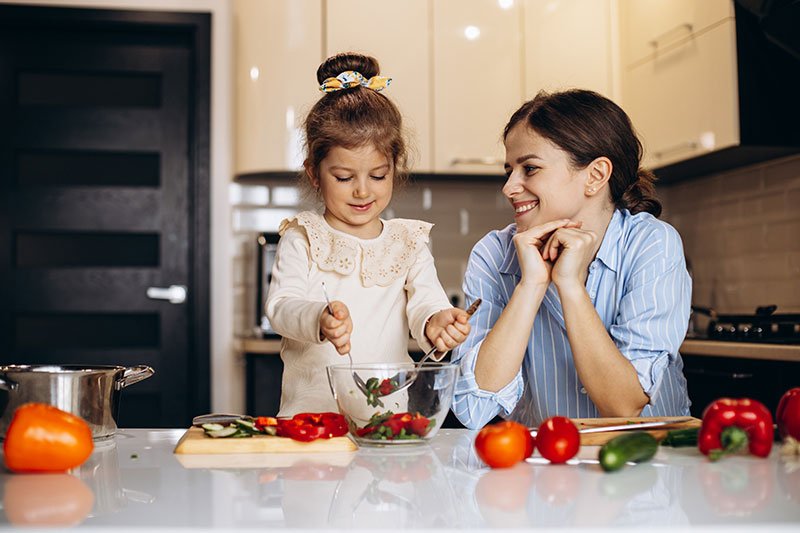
(609, 251)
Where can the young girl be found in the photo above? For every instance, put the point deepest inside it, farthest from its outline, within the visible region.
(586, 296)
(379, 273)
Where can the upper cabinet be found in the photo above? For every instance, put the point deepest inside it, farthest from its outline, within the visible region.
(277, 49)
(679, 81)
(477, 82)
(382, 29)
(570, 44)
(704, 88)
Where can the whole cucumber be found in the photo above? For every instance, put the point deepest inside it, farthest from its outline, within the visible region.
(634, 446)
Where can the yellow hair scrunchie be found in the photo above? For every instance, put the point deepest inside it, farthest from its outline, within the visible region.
(351, 78)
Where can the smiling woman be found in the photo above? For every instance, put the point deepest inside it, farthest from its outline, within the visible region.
(587, 294)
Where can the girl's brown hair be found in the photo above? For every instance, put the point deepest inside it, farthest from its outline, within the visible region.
(354, 117)
(588, 125)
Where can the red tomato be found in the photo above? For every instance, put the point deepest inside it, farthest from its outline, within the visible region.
(558, 439)
(419, 426)
(43, 438)
(788, 414)
(504, 444)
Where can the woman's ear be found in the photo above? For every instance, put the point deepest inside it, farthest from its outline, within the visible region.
(312, 177)
(599, 172)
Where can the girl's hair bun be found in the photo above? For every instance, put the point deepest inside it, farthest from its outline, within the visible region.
(333, 66)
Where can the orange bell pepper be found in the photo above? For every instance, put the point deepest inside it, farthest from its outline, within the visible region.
(43, 438)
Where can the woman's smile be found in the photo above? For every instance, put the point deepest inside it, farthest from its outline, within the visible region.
(520, 208)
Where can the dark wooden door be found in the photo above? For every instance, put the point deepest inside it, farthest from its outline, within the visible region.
(104, 199)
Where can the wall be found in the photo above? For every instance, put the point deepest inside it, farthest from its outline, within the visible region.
(740, 229)
(227, 371)
(741, 233)
(462, 211)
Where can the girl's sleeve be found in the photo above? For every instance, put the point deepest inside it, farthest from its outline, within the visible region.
(291, 314)
(425, 296)
(653, 313)
(474, 406)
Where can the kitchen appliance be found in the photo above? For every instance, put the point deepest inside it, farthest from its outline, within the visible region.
(762, 326)
(90, 392)
(267, 246)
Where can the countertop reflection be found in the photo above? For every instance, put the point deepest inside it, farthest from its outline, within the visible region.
(134, 481)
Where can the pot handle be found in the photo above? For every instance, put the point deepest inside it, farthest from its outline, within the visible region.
(7, 384)
(134, 374)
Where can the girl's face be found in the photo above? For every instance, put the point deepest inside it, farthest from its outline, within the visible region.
(356, 186)
(541, 185)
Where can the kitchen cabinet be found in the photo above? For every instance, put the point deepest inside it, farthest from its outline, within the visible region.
(263, 384)
(570, 45)
(712, 377)
(406, 60)
(477, 82)
(277, 49)
(700, 82)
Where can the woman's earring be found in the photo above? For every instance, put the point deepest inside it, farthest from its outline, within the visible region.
(591, 190)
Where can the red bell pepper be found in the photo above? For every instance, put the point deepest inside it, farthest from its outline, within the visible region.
(731, 425)
(306, 427)
(788, 414)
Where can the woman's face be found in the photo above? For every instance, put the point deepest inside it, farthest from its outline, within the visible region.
(541, 185)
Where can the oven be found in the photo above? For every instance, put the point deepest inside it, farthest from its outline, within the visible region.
(267, 244)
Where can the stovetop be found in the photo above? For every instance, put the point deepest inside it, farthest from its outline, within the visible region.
(759, 328)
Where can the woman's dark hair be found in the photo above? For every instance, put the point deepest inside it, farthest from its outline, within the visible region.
(354, 117)
(588, 125)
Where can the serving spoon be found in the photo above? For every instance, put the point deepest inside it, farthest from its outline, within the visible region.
(362, 386)
(374, 393)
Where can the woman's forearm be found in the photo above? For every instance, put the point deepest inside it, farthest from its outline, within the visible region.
(608, 377)
(503, 349)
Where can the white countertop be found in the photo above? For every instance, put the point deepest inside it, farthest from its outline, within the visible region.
(136, 482)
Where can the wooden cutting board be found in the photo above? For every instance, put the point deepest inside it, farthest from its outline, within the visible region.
(194, 441)
(598, 439)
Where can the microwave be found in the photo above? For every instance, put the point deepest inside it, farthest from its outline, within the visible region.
(267, 244)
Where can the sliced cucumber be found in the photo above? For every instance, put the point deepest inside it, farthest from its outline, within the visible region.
(224, 432)
(213, 427)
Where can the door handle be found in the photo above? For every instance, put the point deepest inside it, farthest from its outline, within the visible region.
(176, 294)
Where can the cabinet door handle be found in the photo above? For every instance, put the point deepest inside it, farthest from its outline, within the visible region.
(714, 374)
(686, 26)
(680, 147)
(485, 161)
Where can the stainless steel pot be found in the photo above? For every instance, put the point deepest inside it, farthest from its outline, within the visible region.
(90, 392)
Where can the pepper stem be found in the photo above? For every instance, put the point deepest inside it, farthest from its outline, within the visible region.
(733, 440)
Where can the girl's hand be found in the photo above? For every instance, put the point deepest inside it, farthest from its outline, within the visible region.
(570, 249)
(448, 328)
(337, 327)
(530, 244)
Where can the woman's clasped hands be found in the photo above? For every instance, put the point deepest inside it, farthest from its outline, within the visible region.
(559, 251)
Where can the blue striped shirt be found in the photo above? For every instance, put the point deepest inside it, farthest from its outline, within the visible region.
(641, 290)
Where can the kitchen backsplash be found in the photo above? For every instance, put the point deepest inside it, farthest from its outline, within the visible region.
(741, 232)
(461, 213)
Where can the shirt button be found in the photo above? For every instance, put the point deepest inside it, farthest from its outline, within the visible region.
(583, 390)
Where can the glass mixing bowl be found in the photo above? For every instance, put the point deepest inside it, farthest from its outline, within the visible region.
(397, 403)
